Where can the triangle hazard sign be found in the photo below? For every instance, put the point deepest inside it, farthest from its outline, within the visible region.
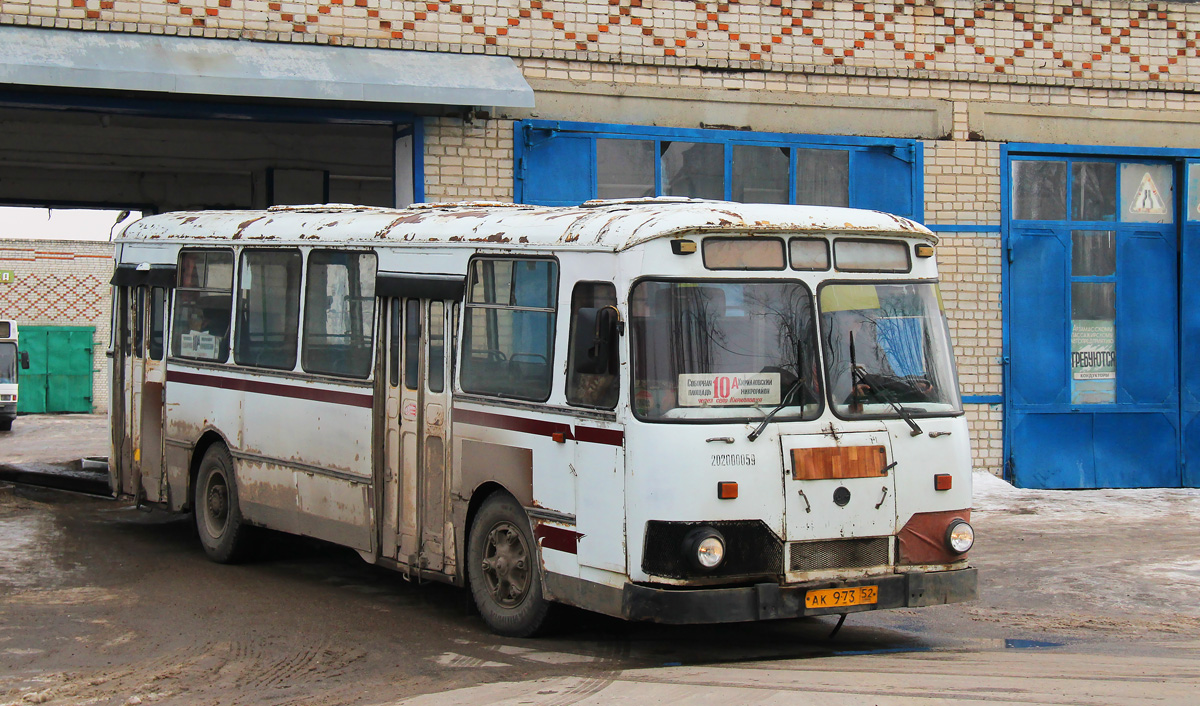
(1147, 199)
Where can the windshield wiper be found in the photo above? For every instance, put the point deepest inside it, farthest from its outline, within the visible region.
(783, 402)
(857, 378)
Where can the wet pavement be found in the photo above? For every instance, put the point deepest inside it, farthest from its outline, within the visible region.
(1085, 598)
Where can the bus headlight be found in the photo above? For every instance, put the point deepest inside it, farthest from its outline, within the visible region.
(960, 536)
(704, 548)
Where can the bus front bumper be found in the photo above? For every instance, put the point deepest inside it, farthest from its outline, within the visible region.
(770, 601)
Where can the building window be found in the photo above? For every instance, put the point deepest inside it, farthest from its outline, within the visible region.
(339, 312)
(508, 344)
(562, 164)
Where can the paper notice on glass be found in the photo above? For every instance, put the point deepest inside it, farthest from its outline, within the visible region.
(729, 389)
(1093, 350)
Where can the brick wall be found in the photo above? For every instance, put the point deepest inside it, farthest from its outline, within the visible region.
(62, 283)
(1115, 44)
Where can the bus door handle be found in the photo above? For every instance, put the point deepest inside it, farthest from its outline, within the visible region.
(880, 503)
(807, 506)
(726, 439)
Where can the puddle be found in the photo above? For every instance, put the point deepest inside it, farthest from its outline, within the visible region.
(1011, 644)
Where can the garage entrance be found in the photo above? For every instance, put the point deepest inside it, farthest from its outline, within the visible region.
(1101, 338)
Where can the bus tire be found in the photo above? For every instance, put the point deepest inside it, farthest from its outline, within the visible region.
(218, 515)
(503, 569)
(6, 424)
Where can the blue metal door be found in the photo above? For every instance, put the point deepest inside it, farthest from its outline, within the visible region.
(1093, 395)
(1189, 323)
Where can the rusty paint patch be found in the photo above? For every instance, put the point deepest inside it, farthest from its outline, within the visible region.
(523, 239)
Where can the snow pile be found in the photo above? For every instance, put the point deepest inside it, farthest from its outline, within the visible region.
(995, 495)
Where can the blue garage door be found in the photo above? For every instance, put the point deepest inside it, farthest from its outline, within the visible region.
(1093, 396)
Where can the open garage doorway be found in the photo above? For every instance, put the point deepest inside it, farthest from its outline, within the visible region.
(164, 163)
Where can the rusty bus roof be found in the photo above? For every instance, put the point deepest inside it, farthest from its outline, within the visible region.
(595, 225)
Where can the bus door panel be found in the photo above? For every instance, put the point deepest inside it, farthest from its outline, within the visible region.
(121, 454)
(415, 502)
(389, 379)
(600, 496)
(132, 372)
(438, 532)
(410, 408)
(155, 313)
(839, 488)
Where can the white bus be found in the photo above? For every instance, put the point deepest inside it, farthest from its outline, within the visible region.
(663, 409)
(11, 361)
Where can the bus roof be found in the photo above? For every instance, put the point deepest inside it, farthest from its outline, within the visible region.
(595, 225)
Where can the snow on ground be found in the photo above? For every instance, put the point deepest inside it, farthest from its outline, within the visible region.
(994, 495)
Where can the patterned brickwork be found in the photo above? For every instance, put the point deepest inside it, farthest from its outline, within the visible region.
(1063, 39)
(62, 283)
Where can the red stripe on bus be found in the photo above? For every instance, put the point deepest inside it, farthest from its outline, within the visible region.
(593, 435)
(349, 399)
(557, 538)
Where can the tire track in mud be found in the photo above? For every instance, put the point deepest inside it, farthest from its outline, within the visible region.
(214, 673)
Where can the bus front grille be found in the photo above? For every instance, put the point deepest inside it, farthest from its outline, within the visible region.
(839, 554)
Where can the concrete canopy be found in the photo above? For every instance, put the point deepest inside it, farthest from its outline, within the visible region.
(221, 68)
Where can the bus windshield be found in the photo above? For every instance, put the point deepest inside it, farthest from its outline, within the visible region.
(8, 363)
(706, 350)
(887, 350)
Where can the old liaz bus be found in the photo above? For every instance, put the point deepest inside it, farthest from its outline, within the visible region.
(665, 409)
(12, 361)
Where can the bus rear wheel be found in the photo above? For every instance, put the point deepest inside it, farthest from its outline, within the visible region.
(502, 567)
(215, 505)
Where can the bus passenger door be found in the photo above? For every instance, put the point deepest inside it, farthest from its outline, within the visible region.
(416, 417)
(150, 451)
(138, 439)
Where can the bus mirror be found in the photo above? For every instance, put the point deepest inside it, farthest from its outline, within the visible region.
(24, 360)
(596, 333)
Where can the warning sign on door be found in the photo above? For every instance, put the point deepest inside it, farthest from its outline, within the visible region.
(1147, 199)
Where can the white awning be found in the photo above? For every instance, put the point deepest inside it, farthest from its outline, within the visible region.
(227, 68)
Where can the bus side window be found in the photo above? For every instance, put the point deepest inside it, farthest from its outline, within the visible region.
(508, 332)
(584, 389)
(339, 313)
(138, 314)
(203, 301)
(158, 302)
(268, 309)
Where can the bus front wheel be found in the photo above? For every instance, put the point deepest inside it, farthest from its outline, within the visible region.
(502, 567)
(218, 516)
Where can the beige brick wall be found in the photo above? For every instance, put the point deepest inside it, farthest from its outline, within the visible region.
(468, 161)
(62, 283)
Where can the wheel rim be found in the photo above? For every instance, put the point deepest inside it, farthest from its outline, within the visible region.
(216, 504)
(506, 565)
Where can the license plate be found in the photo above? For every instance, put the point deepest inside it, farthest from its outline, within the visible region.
(841, 597)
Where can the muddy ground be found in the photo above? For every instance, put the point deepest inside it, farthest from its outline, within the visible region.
(102, 603)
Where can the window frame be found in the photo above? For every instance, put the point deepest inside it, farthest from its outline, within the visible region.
(572, 330)
(176, 310)
(369, 332)
(238, 342)
(531, 134)
(464, 350)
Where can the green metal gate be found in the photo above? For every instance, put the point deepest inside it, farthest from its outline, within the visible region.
(59, 378)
